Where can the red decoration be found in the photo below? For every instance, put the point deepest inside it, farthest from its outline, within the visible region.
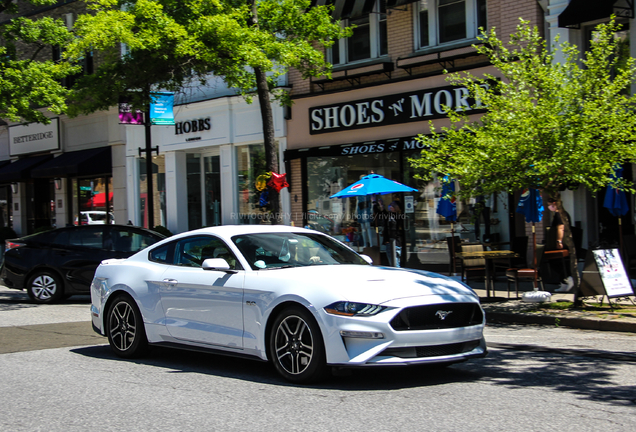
(278, 181)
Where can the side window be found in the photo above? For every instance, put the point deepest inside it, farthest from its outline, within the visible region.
(191, 252)
(131, 241)
(162, 254)
(62, 238)
(90, 238)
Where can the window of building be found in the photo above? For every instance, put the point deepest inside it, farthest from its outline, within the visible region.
(369, 38)
(204, 191)
(441, 22)
(253, 204)
(159, 191)
(86, 62)
(6, 205)
(92, 201)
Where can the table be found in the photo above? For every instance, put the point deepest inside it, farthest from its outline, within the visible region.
(488, 255)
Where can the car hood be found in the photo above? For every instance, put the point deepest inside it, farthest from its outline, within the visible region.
(376, 284)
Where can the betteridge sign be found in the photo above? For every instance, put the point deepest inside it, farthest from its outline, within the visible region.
(393, 109)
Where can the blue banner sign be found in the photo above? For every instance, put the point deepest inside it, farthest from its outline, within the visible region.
(161, 112)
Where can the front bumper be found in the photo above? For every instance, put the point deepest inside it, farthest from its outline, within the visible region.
(400, 347)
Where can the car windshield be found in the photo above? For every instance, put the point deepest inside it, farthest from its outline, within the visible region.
(284, 249)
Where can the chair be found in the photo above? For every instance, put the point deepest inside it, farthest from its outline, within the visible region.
(454, 246)
(551, 259)
(473, 268)
(526, 274)
(520, 247)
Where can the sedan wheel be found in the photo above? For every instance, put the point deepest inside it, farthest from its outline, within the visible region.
(296, 346)
(125, 328)
(45, 287)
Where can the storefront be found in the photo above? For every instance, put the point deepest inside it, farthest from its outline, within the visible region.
(205, 169)
(335, 139)
(61, 173)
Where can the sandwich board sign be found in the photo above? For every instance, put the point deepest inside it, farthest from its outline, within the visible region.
(604, 274)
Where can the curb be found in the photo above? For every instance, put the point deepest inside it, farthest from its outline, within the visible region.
(578, 323)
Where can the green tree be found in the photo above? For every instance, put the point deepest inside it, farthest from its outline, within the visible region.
(171, 44)
(29, 83)
(549, 125)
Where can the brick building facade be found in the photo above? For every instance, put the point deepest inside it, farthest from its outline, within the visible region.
(410, 47)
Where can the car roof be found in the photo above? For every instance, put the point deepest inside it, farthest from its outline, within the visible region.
(228, 231)
(95, 227)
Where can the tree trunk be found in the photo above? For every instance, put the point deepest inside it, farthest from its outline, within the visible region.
(271, 155)
(267, 117)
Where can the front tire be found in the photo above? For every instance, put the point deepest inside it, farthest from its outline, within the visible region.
(44, 287)
(125, 328)
(296, 346)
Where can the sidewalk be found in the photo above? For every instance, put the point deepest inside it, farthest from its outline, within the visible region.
(500, 308)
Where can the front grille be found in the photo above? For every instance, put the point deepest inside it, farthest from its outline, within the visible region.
(431, 351)
(439, 316)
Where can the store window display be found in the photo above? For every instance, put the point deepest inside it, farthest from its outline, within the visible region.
(253, 205)
(159, 193)
(360, 221)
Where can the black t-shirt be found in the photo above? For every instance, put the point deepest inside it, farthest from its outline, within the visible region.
(551, 240)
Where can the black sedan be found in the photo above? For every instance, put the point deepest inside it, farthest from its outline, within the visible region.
(58, 263)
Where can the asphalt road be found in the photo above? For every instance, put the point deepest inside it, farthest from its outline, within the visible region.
(60, 376)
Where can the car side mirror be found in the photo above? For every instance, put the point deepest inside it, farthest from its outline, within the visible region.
(367, 258)
(218, 264)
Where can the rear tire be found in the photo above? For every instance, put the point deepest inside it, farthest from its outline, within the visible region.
(125, 328)
(44, 287)
(296, 346)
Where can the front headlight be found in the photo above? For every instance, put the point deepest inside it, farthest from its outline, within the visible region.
(353, 309)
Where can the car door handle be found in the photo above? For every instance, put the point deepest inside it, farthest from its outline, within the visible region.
(171, 281)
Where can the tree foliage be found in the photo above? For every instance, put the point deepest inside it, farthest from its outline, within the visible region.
(548, 125)
(248, 43)
(170, 43)
(29, 78)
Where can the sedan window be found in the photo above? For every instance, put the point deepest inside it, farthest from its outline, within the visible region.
(87, 237)
(279, 250)
(162, 254)
(191, 252)
(129, 240)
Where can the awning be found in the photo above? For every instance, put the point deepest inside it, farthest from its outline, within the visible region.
(21, 169)
(581, 11)
(355, 8)
(93, 162)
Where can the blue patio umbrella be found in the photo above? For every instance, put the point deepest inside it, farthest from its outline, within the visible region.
(373, 184)
(616, 202)
(615, 199)
(531, 206)
(447, 206)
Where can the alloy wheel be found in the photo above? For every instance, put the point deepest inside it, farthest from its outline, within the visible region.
(294, 345)
(44, 287)
(122, 325)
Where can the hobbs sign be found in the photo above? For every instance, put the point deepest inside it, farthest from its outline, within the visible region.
(392, 109)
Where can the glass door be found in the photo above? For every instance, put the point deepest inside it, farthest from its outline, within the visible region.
(212, 170)
(204, 190)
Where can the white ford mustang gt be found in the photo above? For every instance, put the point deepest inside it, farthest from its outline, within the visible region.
(292, 296)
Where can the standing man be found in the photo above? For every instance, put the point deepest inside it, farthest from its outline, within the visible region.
(555, 242)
